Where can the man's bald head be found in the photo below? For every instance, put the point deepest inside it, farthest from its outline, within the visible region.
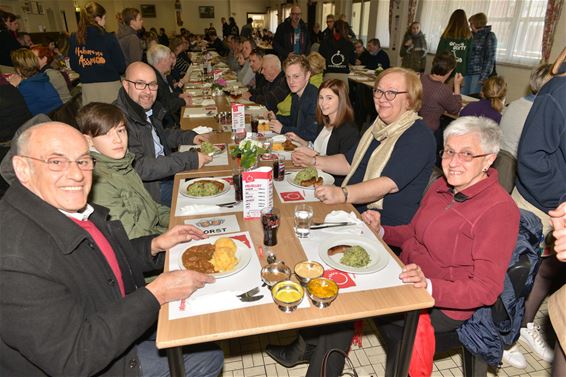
(139, 74)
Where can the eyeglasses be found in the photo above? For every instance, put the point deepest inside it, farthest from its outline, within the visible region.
(463, 156)
(62, 163)
(295, 14)
(389, 94)
(140, 85)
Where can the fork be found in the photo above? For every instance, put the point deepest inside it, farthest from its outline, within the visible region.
(248, 294)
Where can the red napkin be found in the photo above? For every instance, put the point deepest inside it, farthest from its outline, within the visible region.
(292, 196)
(423, 349)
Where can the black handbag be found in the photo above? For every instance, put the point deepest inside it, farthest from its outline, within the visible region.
(346, 358)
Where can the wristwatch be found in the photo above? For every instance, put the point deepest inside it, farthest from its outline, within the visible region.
(345, 191)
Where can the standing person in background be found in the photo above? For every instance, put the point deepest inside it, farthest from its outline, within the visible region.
(234, 30)
(492, 100)
(96, 56)
(247, 29)
(413, 50)
(351, 34)
(225, 28)
(8, 38)
(292, 36)
(130, 43)
(375, 57)
(339, 53)
(457, 39)
(329, 31)
(481, 59)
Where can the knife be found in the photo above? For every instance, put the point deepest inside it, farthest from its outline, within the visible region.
(227, 204)
(316, 227)
(251, 299)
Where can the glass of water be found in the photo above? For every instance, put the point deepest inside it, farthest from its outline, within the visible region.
(303, 220)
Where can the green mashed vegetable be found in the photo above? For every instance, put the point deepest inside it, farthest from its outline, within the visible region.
(355, 256)
(203, 189)
(208, 148)
(305, 175)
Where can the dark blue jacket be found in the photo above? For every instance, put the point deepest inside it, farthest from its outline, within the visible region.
(283, 41)
(480, 334)
(302, 120)
(39, 94)
(481, 59)
(100, 59)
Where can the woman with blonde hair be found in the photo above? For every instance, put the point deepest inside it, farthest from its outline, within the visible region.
(456, 39)
(56, 77)
(96, 56)
(38, 92)
(492, 100)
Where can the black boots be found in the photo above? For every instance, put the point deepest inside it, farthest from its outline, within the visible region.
(292, 354)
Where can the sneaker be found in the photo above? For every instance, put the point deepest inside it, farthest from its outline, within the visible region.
(533, 338)
(514, 357)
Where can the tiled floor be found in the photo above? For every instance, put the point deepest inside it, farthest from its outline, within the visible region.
(245, 357)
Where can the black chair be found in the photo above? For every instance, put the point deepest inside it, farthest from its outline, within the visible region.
(475, 366)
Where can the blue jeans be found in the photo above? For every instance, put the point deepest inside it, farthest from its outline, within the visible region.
(472, 85)
(204, 360)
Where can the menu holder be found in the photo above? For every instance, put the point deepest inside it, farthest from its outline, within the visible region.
(238, 118)
(257, 191)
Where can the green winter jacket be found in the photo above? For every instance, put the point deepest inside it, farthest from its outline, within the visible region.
(460, 48)
(118, 187)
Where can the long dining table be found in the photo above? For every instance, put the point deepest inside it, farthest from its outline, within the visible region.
(172, 334)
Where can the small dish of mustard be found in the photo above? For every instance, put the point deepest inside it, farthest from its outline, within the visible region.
(287, 295)
(322, 291)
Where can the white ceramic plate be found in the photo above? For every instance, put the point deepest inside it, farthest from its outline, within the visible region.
(243, 253)
(327, 179)
(358, 67)
(378, 255)
(184, 185)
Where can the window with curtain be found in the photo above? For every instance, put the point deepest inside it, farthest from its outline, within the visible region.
(382, 27)
(518, 25)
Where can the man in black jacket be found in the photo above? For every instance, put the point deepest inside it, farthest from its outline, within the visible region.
(292, 36)
(273, 88)
(73, 301)
(152, 144)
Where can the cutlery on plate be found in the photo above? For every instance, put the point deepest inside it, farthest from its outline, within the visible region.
(332, 223)
(251, 299)
(248, 294)
(227, 205)
(316, 227)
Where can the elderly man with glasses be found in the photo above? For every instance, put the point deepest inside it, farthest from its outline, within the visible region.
(148, 140)
(73, 301)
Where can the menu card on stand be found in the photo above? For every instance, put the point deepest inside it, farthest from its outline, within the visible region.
(238, 118)
(257, 191)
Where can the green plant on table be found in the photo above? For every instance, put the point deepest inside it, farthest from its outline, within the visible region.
(248, 151)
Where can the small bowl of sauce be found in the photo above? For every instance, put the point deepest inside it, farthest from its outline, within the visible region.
(273, 273)
(308, 270)
(322, 291)
(287, 295)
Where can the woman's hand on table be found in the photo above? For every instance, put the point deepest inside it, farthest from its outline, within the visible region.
(373, 220)
(306, 151)
(329, 194)
(199, 139)
(297, 139)
(558, 220)
(203, 159)
(413, 274)
(174, 236)
(177, 285)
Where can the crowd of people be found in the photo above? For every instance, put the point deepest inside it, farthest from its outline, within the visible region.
(124, 136)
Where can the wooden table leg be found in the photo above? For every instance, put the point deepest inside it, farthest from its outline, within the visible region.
(176, 364)
(406, 349)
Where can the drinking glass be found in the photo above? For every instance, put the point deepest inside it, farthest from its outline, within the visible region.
(303, 220)
(270, 220)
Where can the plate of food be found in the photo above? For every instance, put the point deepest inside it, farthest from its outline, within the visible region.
(202, 188)
(210, 149)
(358, 67)
(309, 178)
(355, 255)
(221, 258)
